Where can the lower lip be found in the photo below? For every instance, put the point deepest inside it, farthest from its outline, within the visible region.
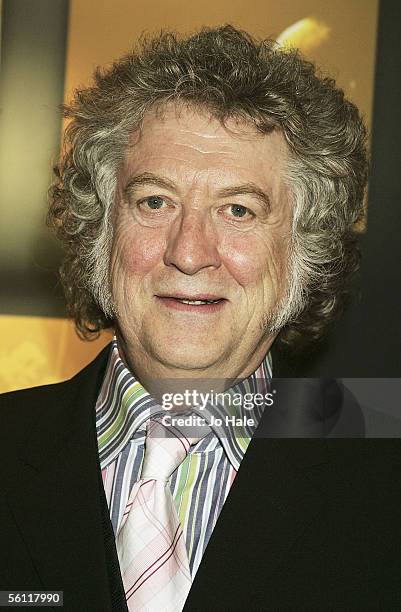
(174, 304)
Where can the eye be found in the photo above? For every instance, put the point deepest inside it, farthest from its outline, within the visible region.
(238, 211)
(153, 202)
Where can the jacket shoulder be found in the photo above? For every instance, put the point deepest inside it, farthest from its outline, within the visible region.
(20, 410)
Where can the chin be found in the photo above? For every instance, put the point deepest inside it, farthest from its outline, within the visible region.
(188, 358)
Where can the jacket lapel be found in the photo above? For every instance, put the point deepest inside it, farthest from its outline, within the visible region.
(57, 505)
(274, 498)
(280, 489)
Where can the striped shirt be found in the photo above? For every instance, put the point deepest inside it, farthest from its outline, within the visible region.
(200, 485)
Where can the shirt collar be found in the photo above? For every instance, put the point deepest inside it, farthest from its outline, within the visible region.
(124, 406)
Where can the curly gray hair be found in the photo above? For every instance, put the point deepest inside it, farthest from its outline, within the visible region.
(231, 75)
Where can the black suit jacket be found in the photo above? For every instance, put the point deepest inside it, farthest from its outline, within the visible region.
(309, 524)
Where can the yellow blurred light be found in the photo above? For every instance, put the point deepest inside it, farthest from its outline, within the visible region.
(306, 35)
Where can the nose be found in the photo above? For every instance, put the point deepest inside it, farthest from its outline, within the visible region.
(192, 244)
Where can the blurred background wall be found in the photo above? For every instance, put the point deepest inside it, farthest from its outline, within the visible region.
(50, 47)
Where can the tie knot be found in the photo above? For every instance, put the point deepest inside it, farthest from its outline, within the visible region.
(165, 449)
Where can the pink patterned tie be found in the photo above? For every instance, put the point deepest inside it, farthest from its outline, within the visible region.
(150, 542)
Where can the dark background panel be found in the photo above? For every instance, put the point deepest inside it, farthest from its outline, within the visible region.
(366, 342)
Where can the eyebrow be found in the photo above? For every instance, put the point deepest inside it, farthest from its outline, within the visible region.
(148, 178)
(247, 189)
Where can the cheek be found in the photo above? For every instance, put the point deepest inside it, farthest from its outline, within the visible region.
(252, 261)
(137, 252)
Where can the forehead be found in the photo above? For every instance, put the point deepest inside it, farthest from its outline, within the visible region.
(189, 142)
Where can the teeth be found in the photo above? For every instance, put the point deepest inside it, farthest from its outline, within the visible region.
(197, 302)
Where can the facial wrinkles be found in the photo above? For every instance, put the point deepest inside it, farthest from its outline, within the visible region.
(207, 143)
(198, 186)
(129, 257)
(185, 155)
(197, 190)
(203, 150)
(193, 141)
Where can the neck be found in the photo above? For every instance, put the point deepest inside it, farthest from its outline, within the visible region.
(155, 376)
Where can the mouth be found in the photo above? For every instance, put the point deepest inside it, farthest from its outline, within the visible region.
(192, 303)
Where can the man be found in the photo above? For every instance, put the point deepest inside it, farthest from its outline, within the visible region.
(206, 198)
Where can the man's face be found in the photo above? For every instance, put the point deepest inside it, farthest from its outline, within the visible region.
(202, 227)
